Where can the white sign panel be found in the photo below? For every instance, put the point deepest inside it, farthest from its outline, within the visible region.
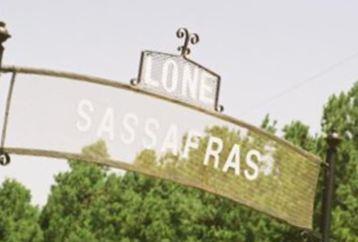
(179, 77)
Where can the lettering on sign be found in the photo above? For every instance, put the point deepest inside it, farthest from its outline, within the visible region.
(179, 77)
(127, 127)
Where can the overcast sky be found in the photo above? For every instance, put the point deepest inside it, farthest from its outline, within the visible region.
(284, 58)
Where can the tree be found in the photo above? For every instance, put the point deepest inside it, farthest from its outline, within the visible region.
(18, 218)
(67, 215)
(341, 114)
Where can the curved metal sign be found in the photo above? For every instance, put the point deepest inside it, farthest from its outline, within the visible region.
(56, 114)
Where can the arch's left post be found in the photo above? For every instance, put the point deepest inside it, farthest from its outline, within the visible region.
(4, 35)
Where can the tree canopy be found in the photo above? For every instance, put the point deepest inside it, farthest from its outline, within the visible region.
(18, 218)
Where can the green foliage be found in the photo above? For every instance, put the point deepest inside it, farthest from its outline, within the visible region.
(269, 125)
(138, 208)
(341, 115)
(18, 219)
(298, 134)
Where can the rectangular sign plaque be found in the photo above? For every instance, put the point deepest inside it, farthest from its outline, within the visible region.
(179, 77)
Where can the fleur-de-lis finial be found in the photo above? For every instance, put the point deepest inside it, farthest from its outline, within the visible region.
(191, 38)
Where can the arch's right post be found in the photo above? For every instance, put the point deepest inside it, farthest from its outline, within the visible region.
(333, 141)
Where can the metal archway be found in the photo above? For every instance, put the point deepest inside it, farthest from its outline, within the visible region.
(55, 114)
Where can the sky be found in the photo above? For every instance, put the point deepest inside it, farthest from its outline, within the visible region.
(284, 58)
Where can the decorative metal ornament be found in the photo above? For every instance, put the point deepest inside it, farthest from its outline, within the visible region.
(4, 33)
(189, 38)
(4, 158)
